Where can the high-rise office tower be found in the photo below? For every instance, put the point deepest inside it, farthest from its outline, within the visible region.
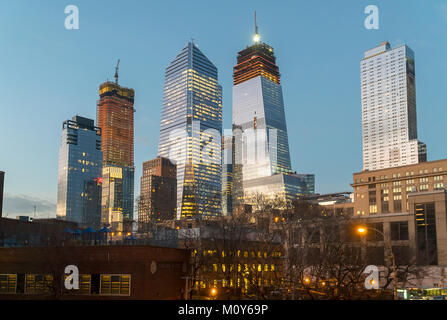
(389, 126)
(2, 180)
(115, 117)
(260, 129)
(191, 130)
(158, 195)
(80, 162)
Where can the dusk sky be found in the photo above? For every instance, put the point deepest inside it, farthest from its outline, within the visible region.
(49, 74)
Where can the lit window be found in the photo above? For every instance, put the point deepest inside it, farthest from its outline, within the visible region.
(84, 284)
(8, 283)
(112, 284)
(38, 283)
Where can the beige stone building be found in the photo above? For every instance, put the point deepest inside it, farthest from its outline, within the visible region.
(408, 205)
(386, 191)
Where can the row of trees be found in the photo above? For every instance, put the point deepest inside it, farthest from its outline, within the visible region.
(300, 251)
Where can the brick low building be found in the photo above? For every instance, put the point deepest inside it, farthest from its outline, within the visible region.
(105, 272)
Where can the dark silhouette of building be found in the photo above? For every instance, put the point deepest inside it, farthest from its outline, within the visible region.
(2, 179)
(92, 202)
(38, 232)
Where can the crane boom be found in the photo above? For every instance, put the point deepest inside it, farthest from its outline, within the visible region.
(116, 71)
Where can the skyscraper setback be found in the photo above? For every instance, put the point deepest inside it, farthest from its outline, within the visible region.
(190, 132)
(260, 130)
(389, 125)
(115, 117)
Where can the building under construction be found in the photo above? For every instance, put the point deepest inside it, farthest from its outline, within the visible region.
(115, 117)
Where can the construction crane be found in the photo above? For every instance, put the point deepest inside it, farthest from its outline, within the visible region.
(116, 71)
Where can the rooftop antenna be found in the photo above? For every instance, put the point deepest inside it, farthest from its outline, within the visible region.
(116, 71)
(256, 24)
(256, 38)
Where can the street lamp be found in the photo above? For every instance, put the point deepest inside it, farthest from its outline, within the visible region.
(363, 231)
(213, 292)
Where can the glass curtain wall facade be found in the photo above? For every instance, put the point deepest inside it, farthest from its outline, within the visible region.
(80, 163)
(260, 130)
(425, 217)
(288, 187)
(258, 109)
(191, 130)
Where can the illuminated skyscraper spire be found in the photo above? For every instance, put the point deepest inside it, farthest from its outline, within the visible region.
(256, 37)
(260, 130)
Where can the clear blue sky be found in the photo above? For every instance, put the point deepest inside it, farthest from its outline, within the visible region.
(48, 74)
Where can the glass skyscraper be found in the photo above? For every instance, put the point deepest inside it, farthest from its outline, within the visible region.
(191, 130)
(260, 130)
(80, 165)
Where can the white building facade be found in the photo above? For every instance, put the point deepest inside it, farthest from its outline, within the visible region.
(389, 124)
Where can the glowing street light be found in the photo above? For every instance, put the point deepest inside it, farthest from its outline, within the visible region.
(213, 292)
(361, 230)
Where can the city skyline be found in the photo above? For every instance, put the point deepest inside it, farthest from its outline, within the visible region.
(350, 138)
